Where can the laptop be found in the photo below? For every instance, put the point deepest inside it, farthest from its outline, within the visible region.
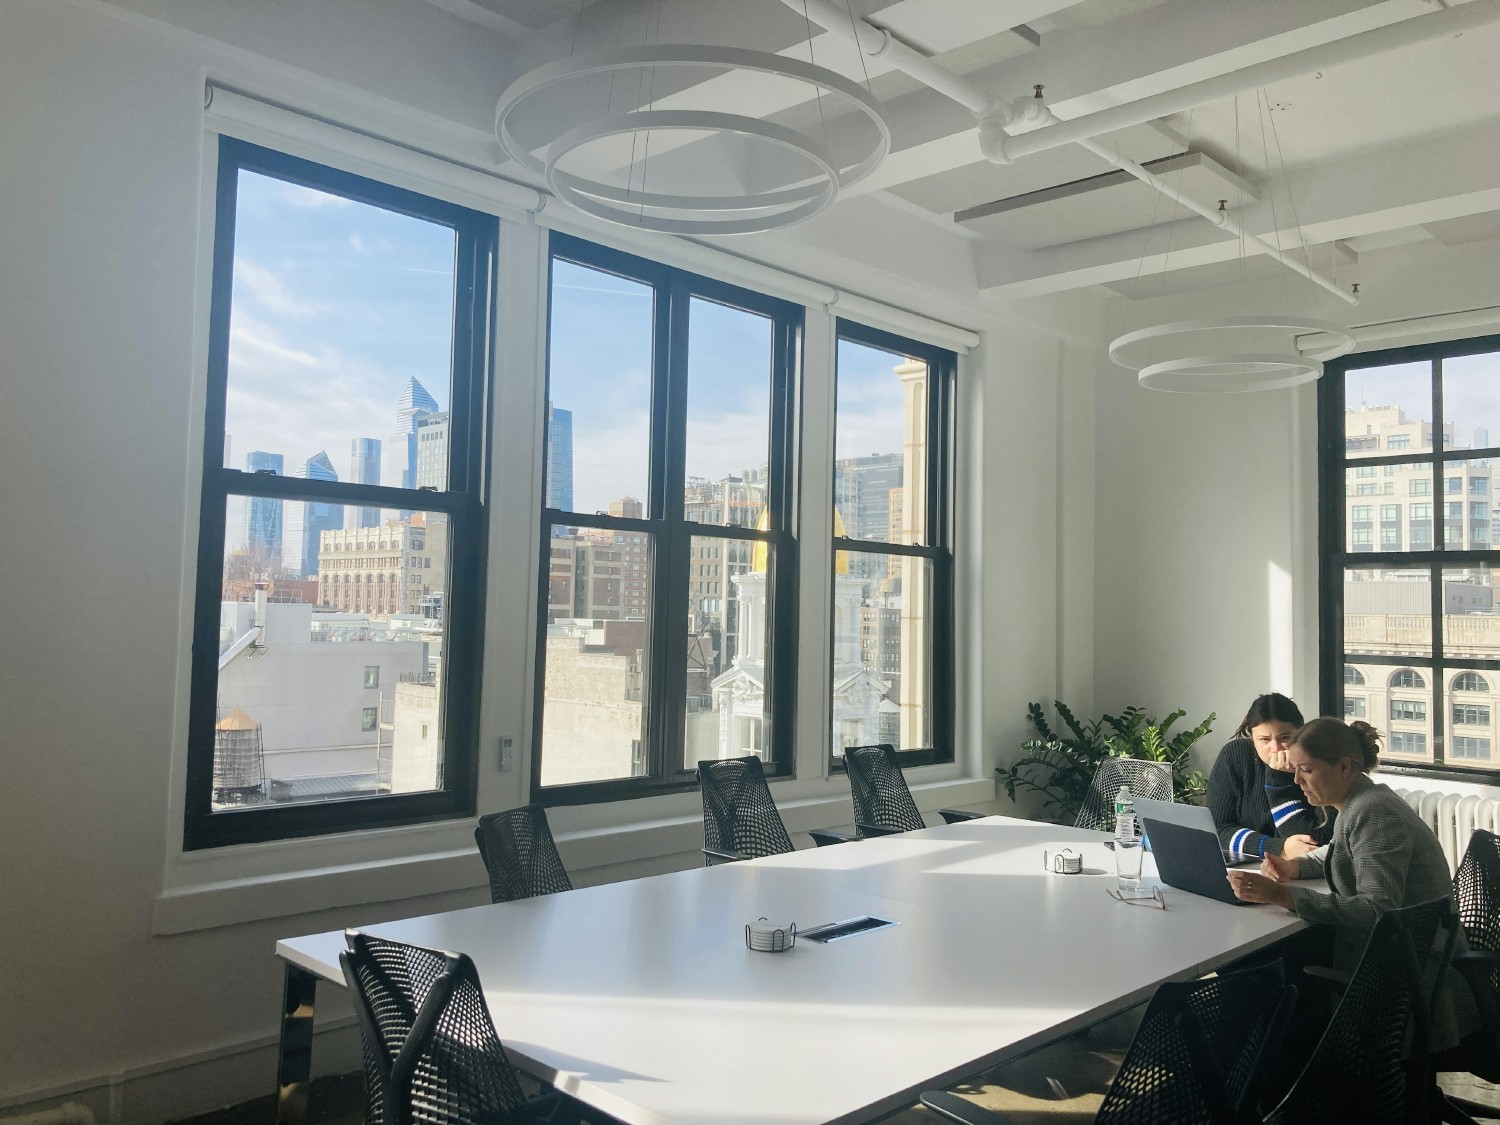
(1189, 858)
(1189, 816)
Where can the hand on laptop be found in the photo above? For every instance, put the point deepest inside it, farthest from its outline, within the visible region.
(1250, 886)
(1300, 844)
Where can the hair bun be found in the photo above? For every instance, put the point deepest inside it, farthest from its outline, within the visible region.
(1369, 742)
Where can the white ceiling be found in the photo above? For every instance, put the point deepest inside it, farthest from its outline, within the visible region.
(1378, 152)
(1376, 155)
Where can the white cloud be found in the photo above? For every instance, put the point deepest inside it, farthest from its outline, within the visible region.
(269, 290)
(309, 199)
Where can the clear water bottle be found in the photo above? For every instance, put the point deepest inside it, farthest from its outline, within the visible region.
(1127, 843)
(1125, 828)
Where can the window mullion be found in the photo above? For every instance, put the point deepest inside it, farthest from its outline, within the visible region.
(669, 655)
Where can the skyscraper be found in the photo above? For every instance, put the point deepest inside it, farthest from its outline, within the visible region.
(432, 451)
(263, 514)
(559, 458)
(364, 468)
(306, 520)
(415, 404)
(862, 488)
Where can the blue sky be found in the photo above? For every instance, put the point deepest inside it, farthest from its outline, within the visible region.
(1471, 393)
(337, 304)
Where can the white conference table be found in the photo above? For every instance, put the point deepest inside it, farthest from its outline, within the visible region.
(640, 998)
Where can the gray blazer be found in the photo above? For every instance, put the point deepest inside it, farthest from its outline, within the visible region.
(1382, 856)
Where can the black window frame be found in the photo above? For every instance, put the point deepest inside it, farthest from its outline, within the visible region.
(1334, 555)
(671, 534)
(942, 376)
(464, 502)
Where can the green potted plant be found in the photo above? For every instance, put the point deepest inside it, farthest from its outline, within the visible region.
(1060, 767)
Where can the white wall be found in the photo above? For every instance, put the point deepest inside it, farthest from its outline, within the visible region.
(142, 980)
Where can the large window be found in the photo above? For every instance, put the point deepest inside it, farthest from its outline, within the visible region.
(340, 560)
(666, 632)
(1411, 618)
(893, 561)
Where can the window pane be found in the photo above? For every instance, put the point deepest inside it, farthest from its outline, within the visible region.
(599, 384)
(880, 446)
(882, 658)
(1398, 702)
(728, 414)
(1388, 409)
(1471, 628)
(330, 673)
(1468, 522)
(594, 680)
(728, 626)
(1473, 714)
(1386, 612)
(1471, 401)
(1390, 510)
(341, 339)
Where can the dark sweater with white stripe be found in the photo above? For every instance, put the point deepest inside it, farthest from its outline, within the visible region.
(1255, 808)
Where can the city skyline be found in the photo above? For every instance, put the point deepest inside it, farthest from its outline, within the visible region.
(338, 305)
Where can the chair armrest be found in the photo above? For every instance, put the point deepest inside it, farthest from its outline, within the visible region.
(714, 856)
(825, 836)
(868, 831)
(956, 816)
(1335, 980)
(951, 1107)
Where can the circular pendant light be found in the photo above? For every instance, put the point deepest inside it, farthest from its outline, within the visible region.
(553, 154)
(1238, 353)
(1230, 355)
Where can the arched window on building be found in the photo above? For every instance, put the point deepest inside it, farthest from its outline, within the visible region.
(1470, 681)
(1353, 677)
(1407, 678)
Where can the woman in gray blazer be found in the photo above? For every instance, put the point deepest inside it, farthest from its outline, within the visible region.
(1382, 856)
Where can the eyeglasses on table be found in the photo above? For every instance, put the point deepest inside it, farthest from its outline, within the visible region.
(1157, 898)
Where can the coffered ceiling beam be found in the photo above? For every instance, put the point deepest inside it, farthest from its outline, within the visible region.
(1435, 178)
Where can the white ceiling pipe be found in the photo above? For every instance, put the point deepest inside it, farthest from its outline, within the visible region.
(994, 115)
(879, 43)
(1418, 29)
(1220, 219)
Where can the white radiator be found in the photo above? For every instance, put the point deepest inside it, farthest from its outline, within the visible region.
(1453, 817)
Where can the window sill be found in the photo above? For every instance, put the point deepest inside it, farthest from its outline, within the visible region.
(587, 853)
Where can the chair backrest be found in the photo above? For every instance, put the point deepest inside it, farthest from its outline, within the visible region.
(738, 812)
(1476, 891)
(431, 1053)
(1200, 1053)
(1371, 1064)
(1146, 779)
(1476, 894)
(520, 854)
(881, 796)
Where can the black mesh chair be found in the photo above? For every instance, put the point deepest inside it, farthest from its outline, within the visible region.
(1146, 779)
(520, 854)
(1199, 1055)
(1371, 1064)
(1476, 892)
(1476, 895)
(740, 819)
(431, 1053)
(883, 802)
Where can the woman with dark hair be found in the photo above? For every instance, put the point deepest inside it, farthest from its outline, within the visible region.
(1256, 804)
(1382, 856)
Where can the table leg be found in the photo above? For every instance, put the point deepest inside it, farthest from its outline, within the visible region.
(294, 1055)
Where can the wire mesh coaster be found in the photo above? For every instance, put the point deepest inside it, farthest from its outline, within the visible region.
(764, 937)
